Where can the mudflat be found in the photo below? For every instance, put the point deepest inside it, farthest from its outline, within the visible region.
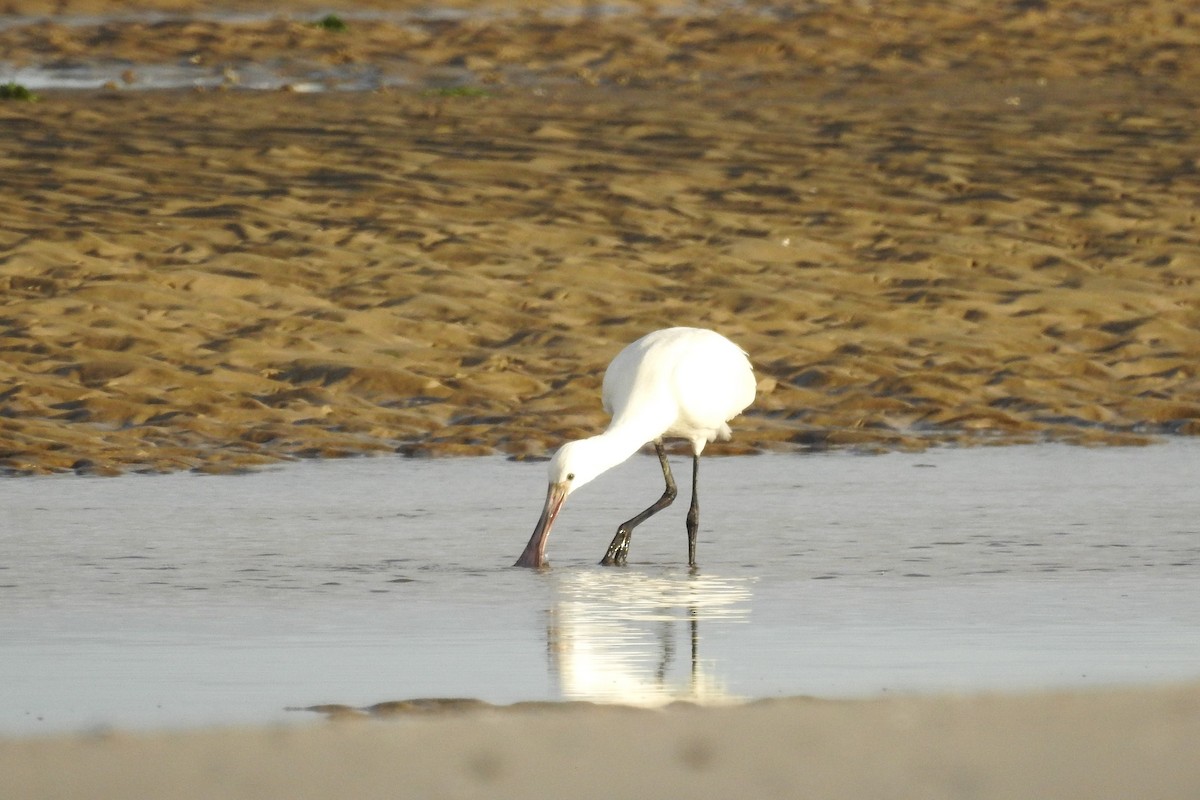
(925, 222)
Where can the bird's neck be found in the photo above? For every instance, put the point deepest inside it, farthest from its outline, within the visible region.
(620, 441)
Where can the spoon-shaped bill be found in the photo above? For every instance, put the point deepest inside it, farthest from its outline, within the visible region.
(534, 554)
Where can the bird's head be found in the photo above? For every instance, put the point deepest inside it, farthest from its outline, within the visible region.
(575, 464)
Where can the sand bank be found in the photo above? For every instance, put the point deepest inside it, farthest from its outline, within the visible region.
(924, 225)
(1114, 744)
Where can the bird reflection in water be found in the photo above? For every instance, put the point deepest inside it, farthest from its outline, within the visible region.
(620, 637)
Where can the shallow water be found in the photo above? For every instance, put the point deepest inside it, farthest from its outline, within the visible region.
(270, 75)
(185, 600)
(297, 74)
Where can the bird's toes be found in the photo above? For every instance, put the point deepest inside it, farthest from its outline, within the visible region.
(613, 558)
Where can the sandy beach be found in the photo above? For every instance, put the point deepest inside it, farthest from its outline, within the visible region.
(1115, 744)
(925, 222)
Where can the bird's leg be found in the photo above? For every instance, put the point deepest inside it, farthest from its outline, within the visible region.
(619, 549)
(693, 515)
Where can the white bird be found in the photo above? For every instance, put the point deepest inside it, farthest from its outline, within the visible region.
(677, 382)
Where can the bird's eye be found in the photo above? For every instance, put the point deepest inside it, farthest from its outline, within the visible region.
(570, 476)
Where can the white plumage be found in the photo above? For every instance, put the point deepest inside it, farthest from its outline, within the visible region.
(677, 382)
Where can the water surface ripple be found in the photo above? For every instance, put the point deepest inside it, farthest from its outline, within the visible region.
(182, 600)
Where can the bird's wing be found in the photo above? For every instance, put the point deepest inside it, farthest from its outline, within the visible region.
(713, 382)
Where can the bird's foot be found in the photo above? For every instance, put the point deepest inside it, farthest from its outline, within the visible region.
(617, 551)
(615, 558)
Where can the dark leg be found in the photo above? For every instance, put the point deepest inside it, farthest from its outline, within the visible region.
(619, 549)
(693, 517)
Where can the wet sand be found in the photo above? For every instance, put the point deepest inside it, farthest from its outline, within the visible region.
(923, 224)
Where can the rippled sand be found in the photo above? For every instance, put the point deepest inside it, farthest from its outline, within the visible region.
(924, 224)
